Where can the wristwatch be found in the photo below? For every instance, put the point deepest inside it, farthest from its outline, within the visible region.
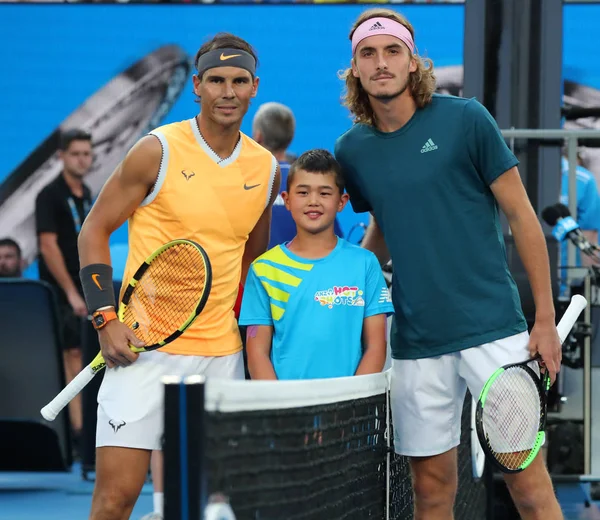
(101, 318)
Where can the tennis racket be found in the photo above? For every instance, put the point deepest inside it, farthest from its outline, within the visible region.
(511, 411)
(162, 300)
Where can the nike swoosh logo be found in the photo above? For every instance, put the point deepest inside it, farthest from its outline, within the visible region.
(95, 278)
(246, 187)
(223, 57)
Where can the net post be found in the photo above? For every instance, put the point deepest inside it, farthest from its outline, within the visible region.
(183, 448)
(388, 466)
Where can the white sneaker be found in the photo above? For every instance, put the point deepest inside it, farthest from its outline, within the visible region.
(219, 511)
(152, 516)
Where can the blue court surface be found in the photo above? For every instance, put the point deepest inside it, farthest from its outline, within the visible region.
(54, 496)
(60, 496)
(573, 498)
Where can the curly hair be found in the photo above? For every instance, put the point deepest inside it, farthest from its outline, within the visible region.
(421, 82)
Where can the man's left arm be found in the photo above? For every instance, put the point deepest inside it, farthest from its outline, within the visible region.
(258, 240)
(531, 245)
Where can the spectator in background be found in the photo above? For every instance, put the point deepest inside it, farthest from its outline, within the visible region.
(588, 206)
(11, 261)
(273, 127)
(60, 209)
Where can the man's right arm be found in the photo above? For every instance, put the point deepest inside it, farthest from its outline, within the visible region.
(120, 197)
(55, 261)
(588, 217)
(374, 242)
(592, 237)
(47, 228)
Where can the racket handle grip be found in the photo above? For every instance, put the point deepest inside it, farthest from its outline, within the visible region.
(54, 407)
(578, 303)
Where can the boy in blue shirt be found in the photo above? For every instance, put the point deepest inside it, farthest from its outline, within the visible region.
(316, 306)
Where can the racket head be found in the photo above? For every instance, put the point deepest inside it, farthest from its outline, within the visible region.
(167, 293)
(510, 419)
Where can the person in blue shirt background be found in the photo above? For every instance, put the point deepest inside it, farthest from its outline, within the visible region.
(273, 127)
(588, 208)
(315, 307)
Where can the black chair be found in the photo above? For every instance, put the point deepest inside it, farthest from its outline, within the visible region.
(31, 374)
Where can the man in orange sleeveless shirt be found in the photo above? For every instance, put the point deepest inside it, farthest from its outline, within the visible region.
(200, 179)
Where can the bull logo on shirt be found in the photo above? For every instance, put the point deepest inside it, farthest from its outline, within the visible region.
(116, 425)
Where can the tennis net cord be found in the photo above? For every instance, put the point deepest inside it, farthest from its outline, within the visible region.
(297, 450)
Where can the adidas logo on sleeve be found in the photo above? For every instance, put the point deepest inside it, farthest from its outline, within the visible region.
(429, 146)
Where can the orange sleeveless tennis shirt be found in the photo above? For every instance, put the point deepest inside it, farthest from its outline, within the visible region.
(214, 202)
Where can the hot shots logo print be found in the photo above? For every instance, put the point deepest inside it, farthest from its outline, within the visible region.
(340, 295)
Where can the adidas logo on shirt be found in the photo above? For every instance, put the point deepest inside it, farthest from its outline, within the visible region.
(429, 146)
(376, 26)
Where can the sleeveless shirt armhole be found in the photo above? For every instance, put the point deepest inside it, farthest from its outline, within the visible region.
(162, 170)
(274, 165)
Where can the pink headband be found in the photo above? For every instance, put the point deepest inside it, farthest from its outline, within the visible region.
(375, 26)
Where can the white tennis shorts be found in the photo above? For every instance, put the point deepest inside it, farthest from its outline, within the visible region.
(427, 395)
(131, 399)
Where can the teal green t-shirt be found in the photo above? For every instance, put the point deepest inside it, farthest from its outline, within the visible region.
(428, 186)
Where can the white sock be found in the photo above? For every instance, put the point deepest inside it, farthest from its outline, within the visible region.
(158, 502)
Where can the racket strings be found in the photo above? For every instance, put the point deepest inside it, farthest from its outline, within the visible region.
(167, 294)
(511, 417)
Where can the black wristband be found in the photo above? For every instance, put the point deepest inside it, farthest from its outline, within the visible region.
(97, 283)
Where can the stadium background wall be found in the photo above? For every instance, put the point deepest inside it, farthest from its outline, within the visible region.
(301, 48)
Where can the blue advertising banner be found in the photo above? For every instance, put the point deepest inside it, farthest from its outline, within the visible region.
(119, 70)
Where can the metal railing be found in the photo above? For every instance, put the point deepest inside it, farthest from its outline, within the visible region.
(571, 137)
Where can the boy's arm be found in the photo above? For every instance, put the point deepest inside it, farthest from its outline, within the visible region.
(256, 315)
(374, 344)
(258, 346)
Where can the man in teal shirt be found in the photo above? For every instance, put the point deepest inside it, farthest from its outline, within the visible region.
(432, 170)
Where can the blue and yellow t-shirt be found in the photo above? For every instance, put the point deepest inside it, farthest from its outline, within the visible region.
(316, 308)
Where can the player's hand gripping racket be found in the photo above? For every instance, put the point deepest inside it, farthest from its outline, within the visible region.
(511, 411)
(163, 298)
